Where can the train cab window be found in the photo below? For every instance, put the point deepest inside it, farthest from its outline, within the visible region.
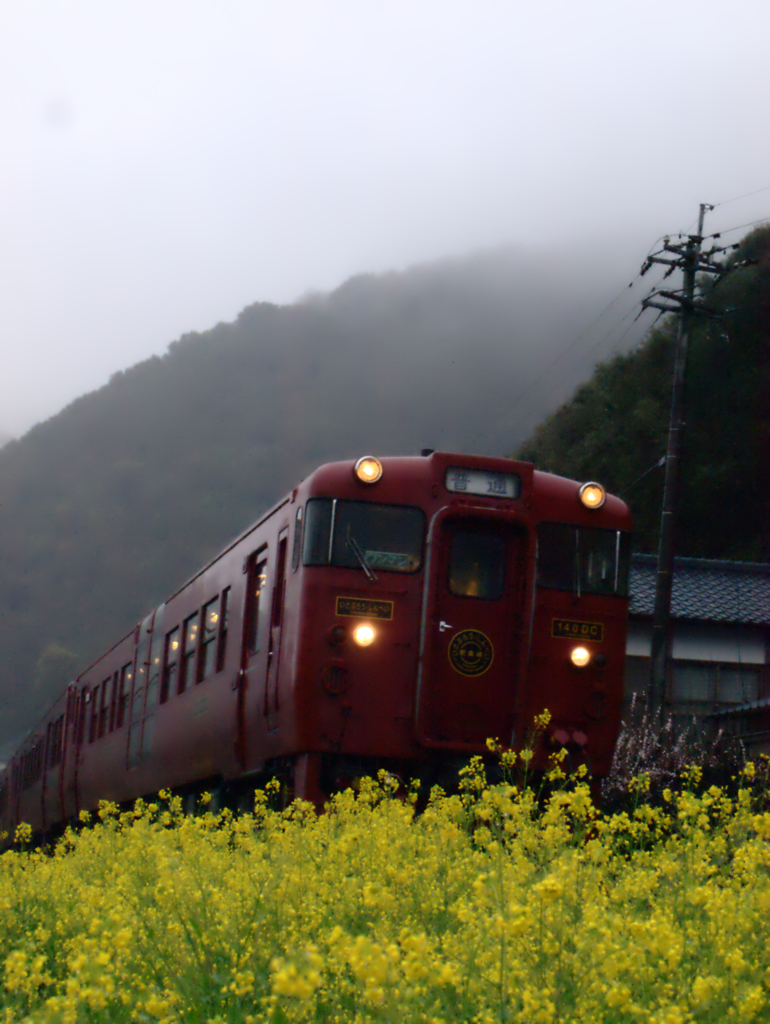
(318, 522)
(224, 614)
(189, 652)
(209, 639)
(477, 564)
(583, 559)
(389, 538)
(170, 665)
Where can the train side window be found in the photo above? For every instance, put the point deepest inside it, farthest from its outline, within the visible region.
(224, 614)
(126, 674)
(114, 701)
(189, 652)
(55, 742)
(58, 739)
(209, 639)
(157, 648)
(477, 565)
(170, 665)
(257, 583)
(296, 550)
(104, 707)
(49, 746)
(81, 719)
(76, 718)
(92, 730)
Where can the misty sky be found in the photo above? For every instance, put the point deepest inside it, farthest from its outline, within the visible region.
(167, 162)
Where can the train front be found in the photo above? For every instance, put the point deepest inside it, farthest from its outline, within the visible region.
(432, 615)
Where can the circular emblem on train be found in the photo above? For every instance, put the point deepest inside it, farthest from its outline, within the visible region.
(471, 652)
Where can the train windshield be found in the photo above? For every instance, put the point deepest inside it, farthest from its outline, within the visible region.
(583, 559)
(389, 537)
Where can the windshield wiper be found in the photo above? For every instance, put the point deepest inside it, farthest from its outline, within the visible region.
(352, 543)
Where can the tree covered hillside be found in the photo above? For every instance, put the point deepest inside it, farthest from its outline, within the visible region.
(615, 428)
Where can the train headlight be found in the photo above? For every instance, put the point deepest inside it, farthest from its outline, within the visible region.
(592, 495)
(368, 469)
(580, 657)
(364, 635)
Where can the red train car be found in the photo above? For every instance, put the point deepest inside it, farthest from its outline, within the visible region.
(392, 612)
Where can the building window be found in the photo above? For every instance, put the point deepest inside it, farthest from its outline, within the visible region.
(701, 682)
(692, 682)
(737, 684)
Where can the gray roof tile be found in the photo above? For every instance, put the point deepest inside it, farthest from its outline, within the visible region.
(704, 589)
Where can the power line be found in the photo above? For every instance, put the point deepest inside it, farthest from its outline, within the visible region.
(532, 383)
(727, 231)
(532, 386)
(744, 196)
(528, 387)
(656, 465)
(597, 344)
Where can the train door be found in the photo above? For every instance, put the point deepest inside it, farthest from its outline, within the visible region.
(473, 645)
(274, 637)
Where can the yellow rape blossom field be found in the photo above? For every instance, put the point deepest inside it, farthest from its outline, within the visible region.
(493, 904)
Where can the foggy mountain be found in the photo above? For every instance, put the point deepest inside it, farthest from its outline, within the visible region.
(108, 506)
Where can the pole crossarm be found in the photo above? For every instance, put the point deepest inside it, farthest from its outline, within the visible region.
(659, 305)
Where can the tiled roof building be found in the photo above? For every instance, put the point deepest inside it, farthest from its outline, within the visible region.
(705, 590)
(719, 667)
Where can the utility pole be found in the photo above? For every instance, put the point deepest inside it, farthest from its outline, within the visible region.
(687, 257)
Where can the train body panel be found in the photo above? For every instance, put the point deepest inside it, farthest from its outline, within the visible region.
(473, 580)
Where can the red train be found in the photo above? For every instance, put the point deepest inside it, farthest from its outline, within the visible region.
(392, 612)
